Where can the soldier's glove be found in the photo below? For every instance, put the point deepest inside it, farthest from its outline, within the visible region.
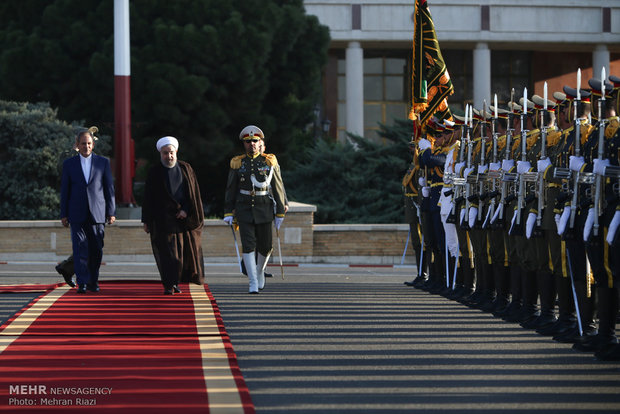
(557, 221)
(563, 220)
(422, 181)
(473, 215)
(458, 167)
(529, 224)
(278, 222)
(500, 208)
(575, 163)
(228, 220)
(426, 191)
(494, 166)
(513, 220)
(613, 227)
(507, 164)
(599, 166)
(543, 164)
(467, 172)
(587, 228)
(523, 166)
(424, 144)
(482, 169)
(462, 217)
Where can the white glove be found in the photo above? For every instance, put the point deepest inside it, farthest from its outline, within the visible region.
(498, 211)
(426, 191)
(494, 166)
(467, 171)
(462, 217)
(543, 164)
(278, 222)
(458, 167)
(473, 215)
(482, 169)
(422, 181)
(575, 163)
(513, 220)
(529, 224)
(424, 144)
(507, 164)
(587, 228)
(613, 226)
(557, 221)
(599, 166)
(486, 219)
(563, 220)
(228, 220)
(523, 166)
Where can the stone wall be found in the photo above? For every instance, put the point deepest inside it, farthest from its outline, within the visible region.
(301, 241)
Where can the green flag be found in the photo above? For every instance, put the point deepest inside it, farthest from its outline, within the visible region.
(431, 84)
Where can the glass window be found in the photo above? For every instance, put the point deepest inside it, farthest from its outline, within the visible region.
(373, 66)
(373, 114)
(394, 88)
(395, 66)
(373, 88)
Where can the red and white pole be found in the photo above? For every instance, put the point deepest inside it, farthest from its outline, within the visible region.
(123, 145)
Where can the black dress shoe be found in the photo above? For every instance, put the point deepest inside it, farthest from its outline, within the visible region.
(176, 289)
(93, 287)
(168, 292)
(268, 274)
(68, 278)
(81, 289)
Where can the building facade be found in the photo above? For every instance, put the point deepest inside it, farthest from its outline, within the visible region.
(489, 46)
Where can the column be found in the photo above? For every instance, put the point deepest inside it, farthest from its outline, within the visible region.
(482, 75)
(355, 88)
(600, 58)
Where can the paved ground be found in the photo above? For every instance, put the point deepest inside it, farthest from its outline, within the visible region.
(351, 340)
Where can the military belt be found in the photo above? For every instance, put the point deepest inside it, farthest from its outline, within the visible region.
(254, 193)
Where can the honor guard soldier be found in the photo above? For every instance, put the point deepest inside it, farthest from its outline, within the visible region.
(255, 196)
(412, 199)
(572, 219)
(598, 153)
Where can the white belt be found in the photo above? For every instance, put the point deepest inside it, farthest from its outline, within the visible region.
(254, 193)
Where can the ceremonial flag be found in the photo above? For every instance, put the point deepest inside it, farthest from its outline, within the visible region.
(430, 81)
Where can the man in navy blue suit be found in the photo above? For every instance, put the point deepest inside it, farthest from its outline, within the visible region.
(86, 204)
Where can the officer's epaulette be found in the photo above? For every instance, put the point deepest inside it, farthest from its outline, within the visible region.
(235, 162)
(532, 136)
(612, 127)
(271, 159)
(586, 130)
(553, 137)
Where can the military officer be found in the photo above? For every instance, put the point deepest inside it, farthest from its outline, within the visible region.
(255, 196)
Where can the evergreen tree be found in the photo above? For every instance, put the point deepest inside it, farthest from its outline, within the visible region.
(355, 182)
(201, 71)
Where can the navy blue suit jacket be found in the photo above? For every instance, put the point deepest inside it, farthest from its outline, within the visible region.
(77, 197)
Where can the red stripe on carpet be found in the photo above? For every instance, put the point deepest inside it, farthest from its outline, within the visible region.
(126, 348)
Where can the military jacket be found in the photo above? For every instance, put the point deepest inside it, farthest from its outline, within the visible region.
(254, 191)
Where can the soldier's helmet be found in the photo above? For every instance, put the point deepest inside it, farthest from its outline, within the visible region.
(251, 132)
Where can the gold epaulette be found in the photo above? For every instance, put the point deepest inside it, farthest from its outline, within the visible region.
(235, 162)
(271, 159)
(612, 127)
(553, 137)
(532, 136)
(586, 130)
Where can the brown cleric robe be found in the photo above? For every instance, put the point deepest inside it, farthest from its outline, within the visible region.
(176, 242)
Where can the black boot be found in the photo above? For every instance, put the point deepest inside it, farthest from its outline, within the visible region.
(529, 310)
(420, 274)
(607, 311)
(510, 314)
(502, 288)
(546, 287)
(566, 310)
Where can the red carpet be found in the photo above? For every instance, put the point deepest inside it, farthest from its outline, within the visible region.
(127, 348)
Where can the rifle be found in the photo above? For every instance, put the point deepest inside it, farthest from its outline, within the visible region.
(521, 192)
(481, 177)
(469, 148)
(577, 152)
(493, 175)
(506, 177)
(543, 155)
(601, 143)
(457, 181)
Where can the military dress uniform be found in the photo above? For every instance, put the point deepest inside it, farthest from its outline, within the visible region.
(411, 201)
(255, 195)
